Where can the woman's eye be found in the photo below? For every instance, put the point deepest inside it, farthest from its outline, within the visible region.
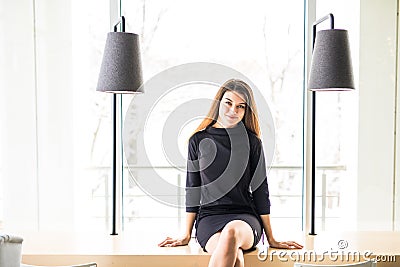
(242, 106)
(228, 103)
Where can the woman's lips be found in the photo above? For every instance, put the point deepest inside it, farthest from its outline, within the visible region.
(232, 117)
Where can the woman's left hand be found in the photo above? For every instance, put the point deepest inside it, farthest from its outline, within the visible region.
(285, 244)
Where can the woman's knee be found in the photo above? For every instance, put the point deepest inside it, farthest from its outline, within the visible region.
(230, 230)
(238, 233)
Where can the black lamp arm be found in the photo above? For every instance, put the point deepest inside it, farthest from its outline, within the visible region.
(121, 21)
(329, 16)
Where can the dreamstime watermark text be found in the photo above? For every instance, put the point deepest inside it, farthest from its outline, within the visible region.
(334, 255)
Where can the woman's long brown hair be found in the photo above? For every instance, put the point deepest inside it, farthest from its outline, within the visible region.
(250, 118)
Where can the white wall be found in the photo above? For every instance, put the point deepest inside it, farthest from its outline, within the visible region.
(377, 99)
(18, 114)
(54, 105)
(36, 106)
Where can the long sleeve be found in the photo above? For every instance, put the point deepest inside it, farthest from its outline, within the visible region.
(193, 180)
(259, 183)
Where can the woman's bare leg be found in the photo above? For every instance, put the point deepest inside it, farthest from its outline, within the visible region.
(225, 245)
(239, 258)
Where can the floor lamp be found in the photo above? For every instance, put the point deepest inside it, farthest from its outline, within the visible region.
(331, 70)
(120, 73)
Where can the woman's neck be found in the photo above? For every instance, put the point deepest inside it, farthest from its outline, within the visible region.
(219, 125)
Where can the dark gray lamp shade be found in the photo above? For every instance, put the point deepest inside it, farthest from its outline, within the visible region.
(121, 70)
(331, 68)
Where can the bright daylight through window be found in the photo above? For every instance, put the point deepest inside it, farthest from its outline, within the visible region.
(263, 40)
(245, 40)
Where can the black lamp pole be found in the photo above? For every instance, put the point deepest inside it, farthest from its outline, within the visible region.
(121, 21)
(114, 165)
(313, 114)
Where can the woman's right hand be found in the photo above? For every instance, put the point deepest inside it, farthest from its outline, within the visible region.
(174, 242)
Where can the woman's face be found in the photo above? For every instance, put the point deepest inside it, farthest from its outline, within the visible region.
(231, 109)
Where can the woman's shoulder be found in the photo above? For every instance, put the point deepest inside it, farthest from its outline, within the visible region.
(254, 140)
(197, 136)
(253, 136)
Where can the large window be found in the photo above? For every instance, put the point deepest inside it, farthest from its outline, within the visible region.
(55, 138)
(91, 116)
(262, 40)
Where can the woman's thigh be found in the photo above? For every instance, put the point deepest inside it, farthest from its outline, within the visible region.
(241, 231)
(212, 243)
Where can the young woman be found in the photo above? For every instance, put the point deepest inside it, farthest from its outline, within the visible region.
(226, 188)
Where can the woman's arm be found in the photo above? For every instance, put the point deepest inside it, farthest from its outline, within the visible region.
(190, 218)
(193, 182)
(260, 194)
(184, 240)
(271, 240)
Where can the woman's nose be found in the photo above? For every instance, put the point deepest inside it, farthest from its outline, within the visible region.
(234, 109)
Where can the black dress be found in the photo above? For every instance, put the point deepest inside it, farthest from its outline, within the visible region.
(226, 180)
